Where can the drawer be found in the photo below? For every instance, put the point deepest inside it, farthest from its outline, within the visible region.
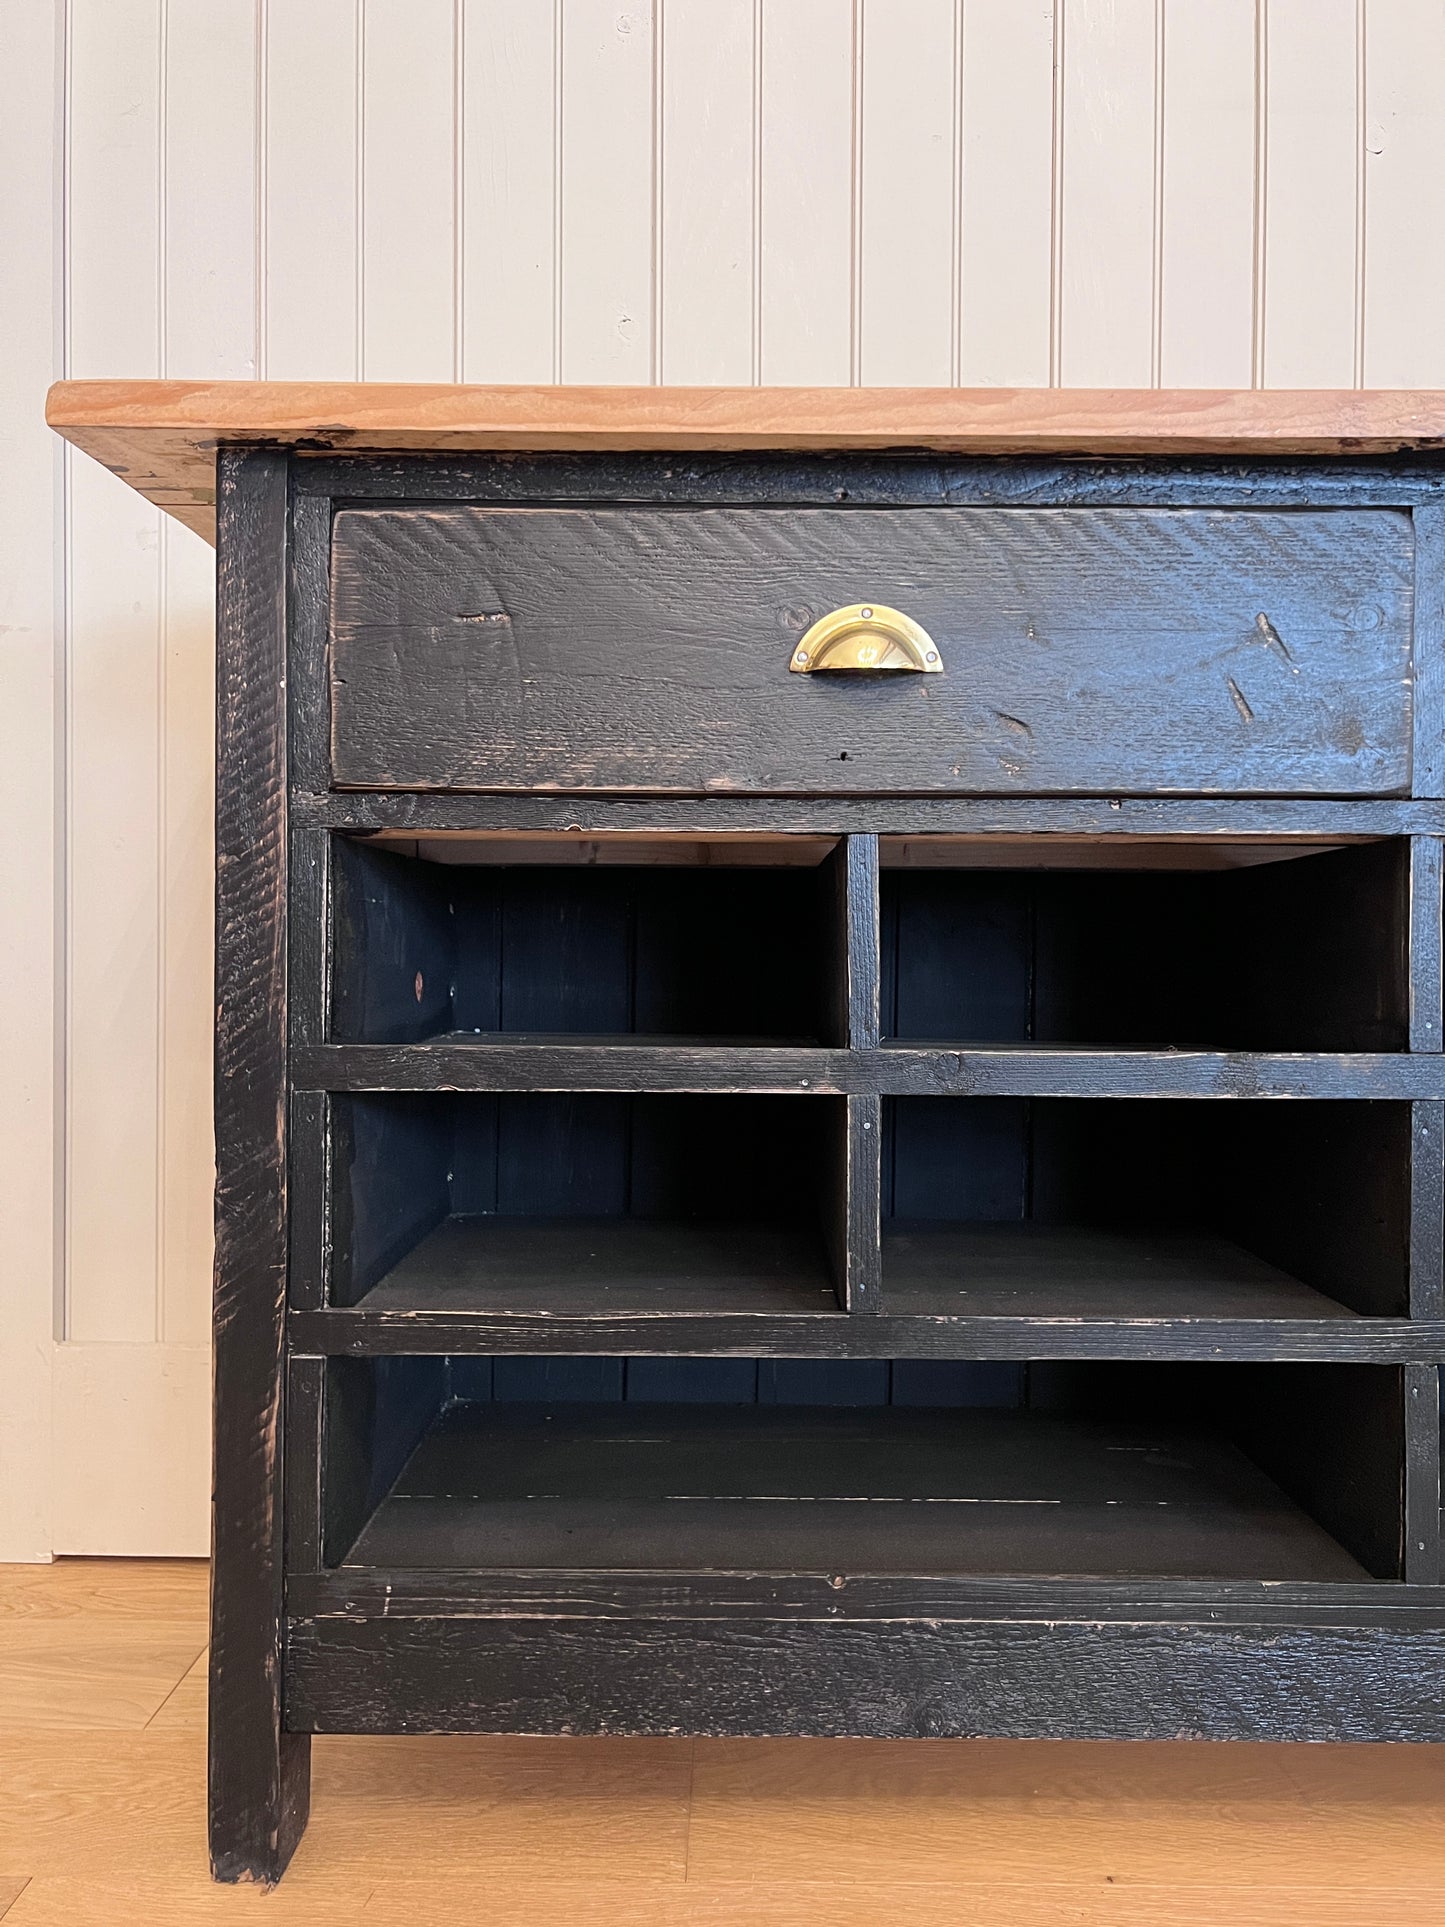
(1084, 650)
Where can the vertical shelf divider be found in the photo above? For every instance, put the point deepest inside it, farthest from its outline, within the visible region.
(1422, 1475)
(852, 882)
(854, 1205)
(1427, 1209)
(1426, 974)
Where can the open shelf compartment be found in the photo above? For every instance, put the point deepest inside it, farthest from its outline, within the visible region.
(1269, 951)
(1189, 1208)
(587, 1203)
(475, 939)
(1217, 1472)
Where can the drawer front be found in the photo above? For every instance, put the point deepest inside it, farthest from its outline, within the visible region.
(1089, 651)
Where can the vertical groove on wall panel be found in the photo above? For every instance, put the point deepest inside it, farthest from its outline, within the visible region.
(1360, 206)
(262, 194)
(855, 198)
(509, 191)
(1261, 190)
(755, 374)
(113, 666)
(705, 238)
(408, 200)
(659, 167)
(459, 186)
(557, 124)
(1360, 238)
(1156, 291)
(1005, 241)
(1207, 233)
(607, 191)
(1056, 194)
(907, 183)
(1403, 321)
(311, 264)
(955, 212)
(1311, 134)
(358, 175)
(805, 189)
(1108, 220)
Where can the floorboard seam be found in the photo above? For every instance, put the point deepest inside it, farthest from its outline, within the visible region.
(186, 1672)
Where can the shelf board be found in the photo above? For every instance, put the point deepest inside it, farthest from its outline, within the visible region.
(822, 1489)
(629, 1286)
(469, 1061)
(609, 1268)
(939, 1269)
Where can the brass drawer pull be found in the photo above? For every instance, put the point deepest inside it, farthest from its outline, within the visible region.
(866, 637)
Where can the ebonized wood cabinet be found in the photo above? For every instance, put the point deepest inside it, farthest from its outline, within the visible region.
(770, 1203)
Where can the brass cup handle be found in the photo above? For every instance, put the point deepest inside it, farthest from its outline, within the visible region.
(864, 638)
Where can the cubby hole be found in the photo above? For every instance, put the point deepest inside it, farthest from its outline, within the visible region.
(585, 1204)
(1099, 1470)
(1269, 952)
(1127, 1208)
(716, 943)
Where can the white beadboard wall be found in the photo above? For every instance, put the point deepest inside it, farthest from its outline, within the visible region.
(1086, 192)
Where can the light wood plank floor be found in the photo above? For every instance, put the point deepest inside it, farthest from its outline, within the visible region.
(102, 1778)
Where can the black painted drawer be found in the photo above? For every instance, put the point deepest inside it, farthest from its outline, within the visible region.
(1086, 650)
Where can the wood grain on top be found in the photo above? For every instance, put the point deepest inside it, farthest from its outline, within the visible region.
(161, 436)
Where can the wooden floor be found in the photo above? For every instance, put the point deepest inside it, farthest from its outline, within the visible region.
(102, 1779)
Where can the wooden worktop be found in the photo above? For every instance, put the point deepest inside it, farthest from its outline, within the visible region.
(161, 436)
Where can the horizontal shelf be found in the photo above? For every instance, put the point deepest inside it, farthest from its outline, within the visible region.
(589, 1268)
(638, 1286)
(360, 1592)
(509, 1063)
(1074, 1272)
(1312, 819)
(363, 1333)
(873, 1490)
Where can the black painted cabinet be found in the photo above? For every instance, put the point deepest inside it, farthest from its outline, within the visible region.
(824, 1203)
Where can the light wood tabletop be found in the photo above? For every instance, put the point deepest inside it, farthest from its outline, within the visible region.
(102, 1717)
(161, 436)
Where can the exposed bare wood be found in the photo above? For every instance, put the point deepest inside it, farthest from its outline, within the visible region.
(162, 436)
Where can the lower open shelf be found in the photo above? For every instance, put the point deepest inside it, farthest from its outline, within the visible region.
(753, 1488)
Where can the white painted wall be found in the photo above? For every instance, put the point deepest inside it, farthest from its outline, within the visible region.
(1090, 192)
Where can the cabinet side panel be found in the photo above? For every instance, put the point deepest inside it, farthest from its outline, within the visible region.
(258, 1774)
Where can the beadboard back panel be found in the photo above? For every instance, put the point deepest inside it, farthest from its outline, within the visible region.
(1085, 192)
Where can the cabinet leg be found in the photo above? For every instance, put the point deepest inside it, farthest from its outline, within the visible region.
(260, 1796)
(259, 1774)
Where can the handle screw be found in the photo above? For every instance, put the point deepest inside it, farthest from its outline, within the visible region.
(867, 614)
